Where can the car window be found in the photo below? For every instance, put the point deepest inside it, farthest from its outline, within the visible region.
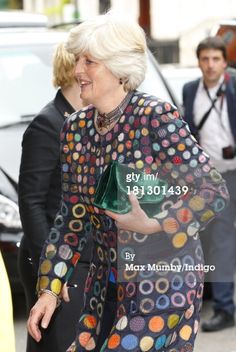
(25, 75)
(178, 76)
(14, 19)
(26, 86)
(26, 81)
(154, 82)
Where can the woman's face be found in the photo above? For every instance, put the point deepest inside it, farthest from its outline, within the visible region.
(96, 81)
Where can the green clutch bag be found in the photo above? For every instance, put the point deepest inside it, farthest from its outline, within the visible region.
(119, 180)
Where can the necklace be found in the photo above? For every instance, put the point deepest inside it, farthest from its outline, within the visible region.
(105, 120)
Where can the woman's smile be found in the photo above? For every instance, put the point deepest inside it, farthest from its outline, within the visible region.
(84, 85)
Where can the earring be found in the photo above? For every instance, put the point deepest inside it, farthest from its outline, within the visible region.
(121, 81)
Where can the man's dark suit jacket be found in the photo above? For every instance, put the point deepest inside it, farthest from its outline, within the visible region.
(40, 176)
(189, 93)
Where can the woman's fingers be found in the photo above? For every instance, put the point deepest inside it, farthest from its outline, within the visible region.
(47, 317)
(65, 293)
(134, 201)
(114, 216)
(42, 310)
(33, 324)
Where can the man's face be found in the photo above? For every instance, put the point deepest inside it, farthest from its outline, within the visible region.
(212, 65)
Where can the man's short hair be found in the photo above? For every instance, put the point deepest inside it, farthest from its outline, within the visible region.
(215, 43)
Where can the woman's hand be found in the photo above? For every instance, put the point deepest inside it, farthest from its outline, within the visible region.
(42, 312)
(136, 220)
(65, 294)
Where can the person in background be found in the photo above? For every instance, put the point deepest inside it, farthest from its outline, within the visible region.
(7, 335)
(128, 310)
(210, 110)
(39, 201)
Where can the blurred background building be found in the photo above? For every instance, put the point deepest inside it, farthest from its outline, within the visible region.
(175, 26)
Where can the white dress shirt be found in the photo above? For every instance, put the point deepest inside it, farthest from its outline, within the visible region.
(216, 132)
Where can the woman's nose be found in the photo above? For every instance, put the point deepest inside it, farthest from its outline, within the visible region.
(79, 67)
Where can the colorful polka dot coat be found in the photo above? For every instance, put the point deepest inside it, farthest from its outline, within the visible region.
(157, 309)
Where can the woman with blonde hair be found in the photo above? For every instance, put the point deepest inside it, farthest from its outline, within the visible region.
(39, 200)
(145, 283)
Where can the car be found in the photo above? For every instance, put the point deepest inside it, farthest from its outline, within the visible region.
(10, 226)
(177, 76)
(26, 74)
(18, 18)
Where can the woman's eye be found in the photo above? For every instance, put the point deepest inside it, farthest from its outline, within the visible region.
(88, 62)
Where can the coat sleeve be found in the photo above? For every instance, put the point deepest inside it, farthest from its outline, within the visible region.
(183, 163)
(39, 162)
(67, 238)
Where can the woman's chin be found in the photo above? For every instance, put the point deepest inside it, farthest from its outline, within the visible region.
(85, 96)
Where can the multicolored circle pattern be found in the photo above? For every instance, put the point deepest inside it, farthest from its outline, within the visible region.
(155, 311)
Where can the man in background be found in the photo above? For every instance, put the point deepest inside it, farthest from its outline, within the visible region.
(210, 110)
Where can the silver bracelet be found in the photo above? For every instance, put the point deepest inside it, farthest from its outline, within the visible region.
(44, 290)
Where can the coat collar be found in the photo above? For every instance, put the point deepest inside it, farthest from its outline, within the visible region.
(62, 104)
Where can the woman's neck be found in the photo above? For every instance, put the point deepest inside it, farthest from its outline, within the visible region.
(108, 104)
(72, 94)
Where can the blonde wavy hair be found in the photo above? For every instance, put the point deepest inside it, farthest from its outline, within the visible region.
(63, 67)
